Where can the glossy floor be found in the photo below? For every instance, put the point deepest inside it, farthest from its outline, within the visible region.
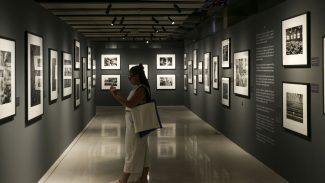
(186, 150)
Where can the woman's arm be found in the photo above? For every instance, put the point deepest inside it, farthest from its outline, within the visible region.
(138, 96)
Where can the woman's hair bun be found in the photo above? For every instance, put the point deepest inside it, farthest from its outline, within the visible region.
(141, 66)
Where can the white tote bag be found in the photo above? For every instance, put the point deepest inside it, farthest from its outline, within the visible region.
(145, 118)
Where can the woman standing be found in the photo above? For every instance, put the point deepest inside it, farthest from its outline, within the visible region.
(136, 148)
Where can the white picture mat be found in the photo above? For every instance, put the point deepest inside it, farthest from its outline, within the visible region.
(145, 67)
(77, 61)
(170, 76)
(194, 59)
(173, 64)
(54, 55)
(38, 109)
(9, 109)
(207, 73)
(77, 101)
(226, 63)
(190, 72)
(84, 73)
(67, 91)
(89, 88)
(225, 101)
(299, 59)
(238, 89)
(118, 84)
(118, 61)
(185, 82)
(195, 84)
(301, 128)
(89, 59)
(200, 72)
(185, 63)
(215, 72)
(94, 72)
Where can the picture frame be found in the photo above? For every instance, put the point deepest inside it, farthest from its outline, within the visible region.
(225, 91)
(185, 82)
(190, 72)
(215, 72)
(111, 61)
(94, 72)
(195, 84)
(200, 72)
(34, 78)
(67, 73)
(166, 61)
(296, 41)
(84, 73)
(77, 92)
(207, 72)
(166, 82)
(323, 74)
(89, 83)
(53, 79)
(241, 73)
(195, 59)
(76, 55)
(88, 58)
(7, 78)
(185, 63)
(225, 53)
(296, 107)
(108, 80)
(145, 66)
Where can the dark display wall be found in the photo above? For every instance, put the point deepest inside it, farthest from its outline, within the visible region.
(29, 149)
(135, 53)
(255, 123)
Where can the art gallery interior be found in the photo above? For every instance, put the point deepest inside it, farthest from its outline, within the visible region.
(239, 86)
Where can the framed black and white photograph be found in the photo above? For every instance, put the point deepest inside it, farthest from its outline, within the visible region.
(66, 75)
(190, 72)
(35, 91)
(195, 84)
(225, 53)
(166, 61)
(84, 73)
(225, 92)
(77, 55)
(89, 58)
(215, 72)
(166, 82)
(53, 81)
(207, 74)
(110, 61)
(109, 80)
(77, 92)
(295, 51)
(195, 59)
(89, 83)
(241, 73)
(185, 82)
(94, 72)
(185, 62)
(200, 72)
(145, 66)
(7, 78)
(296, 107)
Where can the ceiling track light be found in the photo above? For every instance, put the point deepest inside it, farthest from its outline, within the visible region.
(177, 8)
(171, 20)
(126, 34)
(163, 28)
(108, 9)
(154, 28)
(113, 22)
(155, 20)
(122, 29)
(122, 20)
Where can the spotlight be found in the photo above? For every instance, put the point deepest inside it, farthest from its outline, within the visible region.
(147, 41)
(122, 20)
(156, 30)
(177, 8)
(171, 20)
(155, 20)
(122, 29)
(108, 8)
(113, 22)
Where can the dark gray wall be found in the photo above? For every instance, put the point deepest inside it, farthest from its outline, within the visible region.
(140, 52)
(28, 150)
(295, 158)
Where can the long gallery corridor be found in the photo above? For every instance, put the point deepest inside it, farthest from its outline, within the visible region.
(186, 150)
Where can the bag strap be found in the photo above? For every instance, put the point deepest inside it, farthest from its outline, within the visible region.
(148, 97)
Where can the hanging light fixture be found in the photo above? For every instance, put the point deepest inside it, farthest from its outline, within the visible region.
(155, 20)
(177, 8)
(154, 28)
(122, 20)
(163, 28)
(122, 29)
(171, 20)
(108, 9)
(113, 22)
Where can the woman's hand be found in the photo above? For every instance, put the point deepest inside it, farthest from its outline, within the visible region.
(113, 90)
